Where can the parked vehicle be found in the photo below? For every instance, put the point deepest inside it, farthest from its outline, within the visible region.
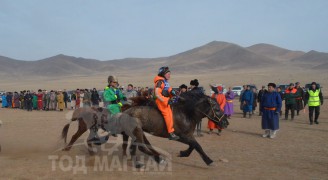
(237, 90)
(1, 93)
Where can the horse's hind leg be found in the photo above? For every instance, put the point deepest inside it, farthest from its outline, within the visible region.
(125, 143)
(82, 128)
(156, 154)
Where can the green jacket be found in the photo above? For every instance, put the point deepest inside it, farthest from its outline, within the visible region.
(114, 98)
(290, 98)
(35, 101)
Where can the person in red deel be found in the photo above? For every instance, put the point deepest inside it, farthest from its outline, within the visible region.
(221, 99)
(39, 96)
(163, 93)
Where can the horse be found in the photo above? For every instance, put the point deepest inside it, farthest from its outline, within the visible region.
(187, 112)
(99, 118)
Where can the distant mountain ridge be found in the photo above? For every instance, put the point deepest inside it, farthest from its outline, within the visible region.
(215, 55)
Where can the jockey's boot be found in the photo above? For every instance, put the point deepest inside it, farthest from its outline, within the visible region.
(172, 136)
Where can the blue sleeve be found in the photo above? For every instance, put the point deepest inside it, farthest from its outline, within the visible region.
(279, 102)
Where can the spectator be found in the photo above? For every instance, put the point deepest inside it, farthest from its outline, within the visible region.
(314, 99)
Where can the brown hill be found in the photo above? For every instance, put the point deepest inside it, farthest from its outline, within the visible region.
(275, 52)
(212, 56)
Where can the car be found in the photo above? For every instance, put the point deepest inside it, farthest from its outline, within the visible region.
(2, 93)
(283, 87)
(237, 90)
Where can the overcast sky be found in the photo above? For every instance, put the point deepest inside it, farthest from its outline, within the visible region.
(112, 29)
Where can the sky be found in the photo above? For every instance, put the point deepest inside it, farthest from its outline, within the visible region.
(115, 29)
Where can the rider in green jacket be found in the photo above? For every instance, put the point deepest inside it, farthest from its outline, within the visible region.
(113, 96)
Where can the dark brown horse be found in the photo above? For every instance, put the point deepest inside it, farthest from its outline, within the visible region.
(187, 112)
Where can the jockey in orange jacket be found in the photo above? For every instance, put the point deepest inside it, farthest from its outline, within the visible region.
(163, 93)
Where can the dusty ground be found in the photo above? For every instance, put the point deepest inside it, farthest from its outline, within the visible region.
(29, 141)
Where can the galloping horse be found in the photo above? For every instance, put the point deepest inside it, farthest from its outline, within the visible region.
(187, 112)
(95, 118)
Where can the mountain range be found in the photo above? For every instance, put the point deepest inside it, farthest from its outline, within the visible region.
(215, 55)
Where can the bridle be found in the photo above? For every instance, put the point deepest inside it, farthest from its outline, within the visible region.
(215, 116)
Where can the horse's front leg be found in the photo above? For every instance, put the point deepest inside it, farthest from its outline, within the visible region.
(200, 150)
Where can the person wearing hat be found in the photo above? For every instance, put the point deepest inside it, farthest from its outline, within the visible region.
(221, 100)
(259, 97)
(194, 86)
(60, 100)
(247, 101)
(163, 93)
(314, 98)
(113, 95)
(299, 99)
(270, 106)
(183, 88)
(290, 100)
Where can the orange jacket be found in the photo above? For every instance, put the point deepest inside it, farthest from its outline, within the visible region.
(221, 99)
(160, 87)
(293, 91)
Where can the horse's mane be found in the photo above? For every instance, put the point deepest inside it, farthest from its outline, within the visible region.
(186, 102)
(189, 100)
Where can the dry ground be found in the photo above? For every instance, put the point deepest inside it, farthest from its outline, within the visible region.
(299, 151)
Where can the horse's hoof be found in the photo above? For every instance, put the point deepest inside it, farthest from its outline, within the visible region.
(139, 165)
(162, 162)
(213, 164)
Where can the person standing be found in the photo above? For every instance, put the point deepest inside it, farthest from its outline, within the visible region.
(290, 101)
(66, 98)
(314, 99)
(21, 99)
(281, 97)
(228, 108)
(52, 104)
(35, 101)
(73, 100)
(241, 96)
(129, 93)
(78, 99)
(16, 100)
(247, 101)
(259, 98)
(163, 92)
(270, 106)
(28, 101)
(299, 98)
(86, 98)
(4, 100)
(39, 97)
(95, 99)
(221, 100)
(60, 100)
(9, 99)
(254, 100)
(194, 88)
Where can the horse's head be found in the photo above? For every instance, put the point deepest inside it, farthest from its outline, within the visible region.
(199, 105)
(215, 114)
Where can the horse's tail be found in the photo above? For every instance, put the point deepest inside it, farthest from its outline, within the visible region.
(65, 129)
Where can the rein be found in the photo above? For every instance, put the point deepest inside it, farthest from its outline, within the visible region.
(215, 116)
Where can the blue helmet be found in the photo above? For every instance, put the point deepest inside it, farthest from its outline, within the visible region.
(163, 70)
